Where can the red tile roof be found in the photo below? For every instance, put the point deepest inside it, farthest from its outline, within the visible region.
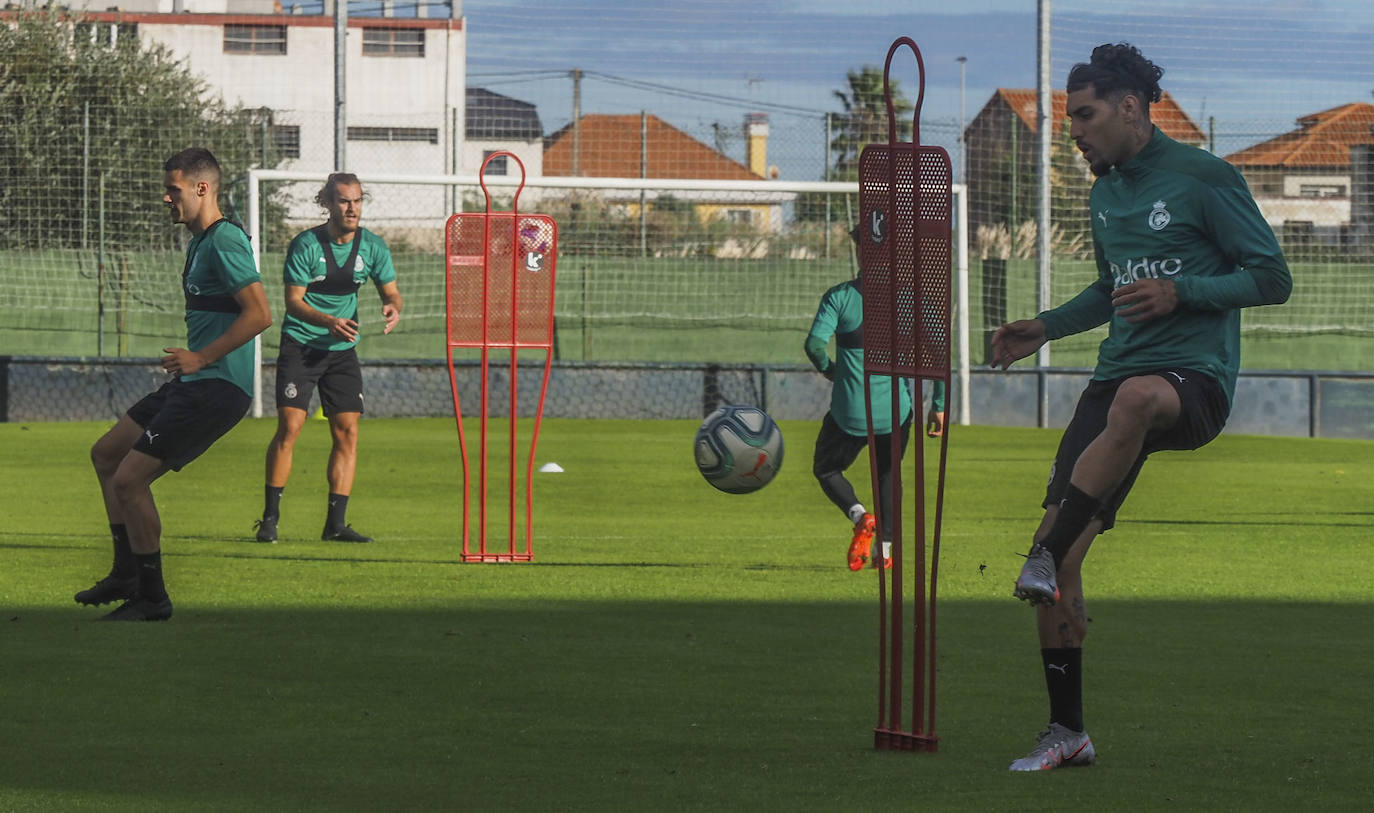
(610, 148)
(1323, 140)
(1165, 113)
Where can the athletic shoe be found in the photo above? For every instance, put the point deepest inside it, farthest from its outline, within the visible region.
(1036, 583)
(110, 588)
(861, 542)
(343, 533)
(887, 560)
(266, 528)
(1056, 747)
(141, 609)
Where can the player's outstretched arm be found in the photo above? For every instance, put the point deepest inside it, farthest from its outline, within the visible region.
(1016, 340)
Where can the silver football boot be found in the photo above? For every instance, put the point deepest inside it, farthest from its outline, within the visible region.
(1056, 747)
(1036, 583)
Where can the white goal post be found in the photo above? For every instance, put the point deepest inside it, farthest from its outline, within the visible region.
(459, 187)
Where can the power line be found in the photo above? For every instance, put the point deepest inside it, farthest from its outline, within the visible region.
(539, 74)
(701, 95)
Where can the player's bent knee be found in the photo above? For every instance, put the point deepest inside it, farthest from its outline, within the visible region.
(126, 486)
(1143, 397)
(105, 458)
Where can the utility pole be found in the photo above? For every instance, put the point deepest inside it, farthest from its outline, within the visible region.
(577, 121)
(1045, 95)
(340, 85)
(963, 143)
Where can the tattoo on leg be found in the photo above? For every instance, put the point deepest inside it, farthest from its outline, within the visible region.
(1066, 636)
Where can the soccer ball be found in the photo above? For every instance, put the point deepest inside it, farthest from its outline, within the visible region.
(738, 449)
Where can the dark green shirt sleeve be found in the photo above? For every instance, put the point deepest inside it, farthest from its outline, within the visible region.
(1092, 307)
(1246, 240)
(815, 350)
(822, 329)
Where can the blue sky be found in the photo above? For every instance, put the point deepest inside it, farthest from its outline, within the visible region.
(1255, 66)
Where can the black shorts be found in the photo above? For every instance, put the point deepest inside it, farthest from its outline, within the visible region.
(836, 449)
(336, 372)
(1202, 414)
(183, 418)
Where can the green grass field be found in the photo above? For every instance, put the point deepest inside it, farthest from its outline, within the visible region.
(692, 310)
(672, 647)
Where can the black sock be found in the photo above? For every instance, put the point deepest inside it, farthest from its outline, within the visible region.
(338, 508)
(150, 584)
(1064, 680)
(1076, 510)
(124, 566)
(271, 506)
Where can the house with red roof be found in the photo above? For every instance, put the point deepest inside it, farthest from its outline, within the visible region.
(643, 145)
(1002, 151)
(1303, 178)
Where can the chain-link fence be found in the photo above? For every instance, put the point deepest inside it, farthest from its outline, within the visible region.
(645, 276)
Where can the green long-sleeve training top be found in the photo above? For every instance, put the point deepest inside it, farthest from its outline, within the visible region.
(1178, 213)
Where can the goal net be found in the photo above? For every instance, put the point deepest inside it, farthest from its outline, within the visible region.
(648, 271)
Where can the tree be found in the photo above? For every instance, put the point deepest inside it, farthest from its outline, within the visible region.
(864, 120)
(72, 102)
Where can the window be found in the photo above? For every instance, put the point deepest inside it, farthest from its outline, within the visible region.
(394, 42)
(108, 34)
(497, 167)
(745, 216)
(1321, 190)
(286, 138)
(255, 39)
(425, 134)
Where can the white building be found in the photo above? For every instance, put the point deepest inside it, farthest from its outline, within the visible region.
(405, 86)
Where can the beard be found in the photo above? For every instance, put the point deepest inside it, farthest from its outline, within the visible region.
(1099, 168)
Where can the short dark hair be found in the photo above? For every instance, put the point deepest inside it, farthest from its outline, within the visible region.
(1115, 70)
(194, 161)
(331, 186)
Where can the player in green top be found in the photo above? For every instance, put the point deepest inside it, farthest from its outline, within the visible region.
(1181, 247)
(325, 267)
(844, 429)
(212, 389)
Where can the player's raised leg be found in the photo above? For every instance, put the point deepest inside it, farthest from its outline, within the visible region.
(1062, 628)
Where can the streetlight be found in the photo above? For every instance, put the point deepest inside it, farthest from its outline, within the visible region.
(963, 146)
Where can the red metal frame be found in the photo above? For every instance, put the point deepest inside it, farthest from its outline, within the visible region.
(488, 309)
(905, 206)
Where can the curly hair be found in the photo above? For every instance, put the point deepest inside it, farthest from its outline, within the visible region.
(331, 186)
(1115, 70)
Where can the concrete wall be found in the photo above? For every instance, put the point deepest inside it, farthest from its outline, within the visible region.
(1288, 403)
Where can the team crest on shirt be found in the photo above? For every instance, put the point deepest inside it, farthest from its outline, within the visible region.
(1159, 216)
(358, 264)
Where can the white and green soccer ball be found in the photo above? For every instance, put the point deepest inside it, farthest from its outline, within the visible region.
(738, 449)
